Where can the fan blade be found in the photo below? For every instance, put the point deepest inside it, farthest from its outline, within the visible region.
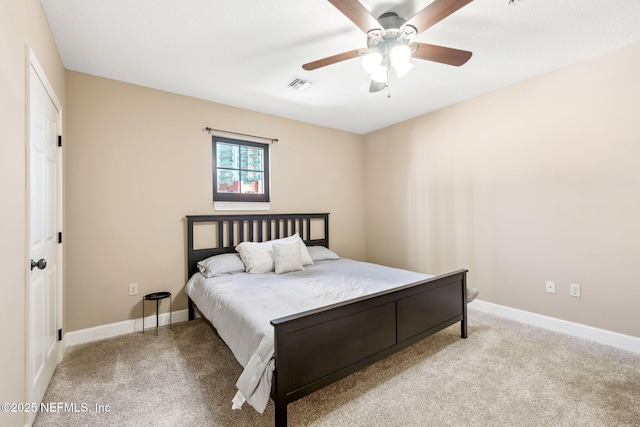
(331, 60)
(444, 55)
(356, 12)
(435, 12)
(376, 86)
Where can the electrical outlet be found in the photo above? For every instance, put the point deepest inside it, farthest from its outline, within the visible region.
(133, 288)
(550, 286)
(574, 290)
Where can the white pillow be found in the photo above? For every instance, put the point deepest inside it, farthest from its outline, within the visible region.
(287, 257)
(320, 253)
(219, 265)
(304, 252)
(306, 258)
(257, 257)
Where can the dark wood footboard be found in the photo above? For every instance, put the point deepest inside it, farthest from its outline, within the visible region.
(318, 347)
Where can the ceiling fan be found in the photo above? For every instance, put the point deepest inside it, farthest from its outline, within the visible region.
(388, 40)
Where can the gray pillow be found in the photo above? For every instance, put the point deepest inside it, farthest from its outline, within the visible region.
(220, 265)
(320, 253)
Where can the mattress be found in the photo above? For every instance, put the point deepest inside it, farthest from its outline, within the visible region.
(240, 306)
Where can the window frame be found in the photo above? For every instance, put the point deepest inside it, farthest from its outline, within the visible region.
(241, 197)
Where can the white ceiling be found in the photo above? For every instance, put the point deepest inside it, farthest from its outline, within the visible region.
(245, 52)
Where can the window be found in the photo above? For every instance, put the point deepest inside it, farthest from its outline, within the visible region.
(240, 171)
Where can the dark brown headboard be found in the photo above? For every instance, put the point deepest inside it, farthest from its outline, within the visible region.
(230, 230)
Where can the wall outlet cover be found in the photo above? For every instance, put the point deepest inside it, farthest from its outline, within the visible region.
(550, 286)
(574, 290)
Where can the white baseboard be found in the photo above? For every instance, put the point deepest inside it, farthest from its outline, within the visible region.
(601, 336)
(120, 328)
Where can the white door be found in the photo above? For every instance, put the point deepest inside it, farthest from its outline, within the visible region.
(45, 253)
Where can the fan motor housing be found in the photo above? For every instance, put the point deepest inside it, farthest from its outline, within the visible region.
(393, 32)
(391, 23)
(390, 20)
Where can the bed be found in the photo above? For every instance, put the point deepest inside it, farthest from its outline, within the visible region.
(301, 352)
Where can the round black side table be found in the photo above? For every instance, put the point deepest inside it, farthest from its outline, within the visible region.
(157, 296)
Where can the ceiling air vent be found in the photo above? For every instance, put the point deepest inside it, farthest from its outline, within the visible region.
(300, 84)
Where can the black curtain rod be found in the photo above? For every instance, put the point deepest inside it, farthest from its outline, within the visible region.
(208, 129)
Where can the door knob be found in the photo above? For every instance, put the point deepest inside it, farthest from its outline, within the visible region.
(41, 264)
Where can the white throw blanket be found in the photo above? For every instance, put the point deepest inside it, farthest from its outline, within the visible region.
(241, 306)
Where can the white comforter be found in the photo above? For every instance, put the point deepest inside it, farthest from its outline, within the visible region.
(240, 306)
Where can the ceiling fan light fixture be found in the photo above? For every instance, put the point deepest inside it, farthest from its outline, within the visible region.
(399, 58)
(371, 62)
(400, 55)
(402, 68)
(380, 75)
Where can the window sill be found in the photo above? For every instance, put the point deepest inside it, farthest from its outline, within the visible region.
(242, 206)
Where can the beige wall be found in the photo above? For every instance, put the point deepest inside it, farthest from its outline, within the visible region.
(21, 23)
(539, 181)
(138, 160)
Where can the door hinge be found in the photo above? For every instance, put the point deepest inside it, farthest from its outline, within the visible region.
(60, 334)
(59, 140)
(60, 237)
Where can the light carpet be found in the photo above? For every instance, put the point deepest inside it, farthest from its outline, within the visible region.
(504, 374)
